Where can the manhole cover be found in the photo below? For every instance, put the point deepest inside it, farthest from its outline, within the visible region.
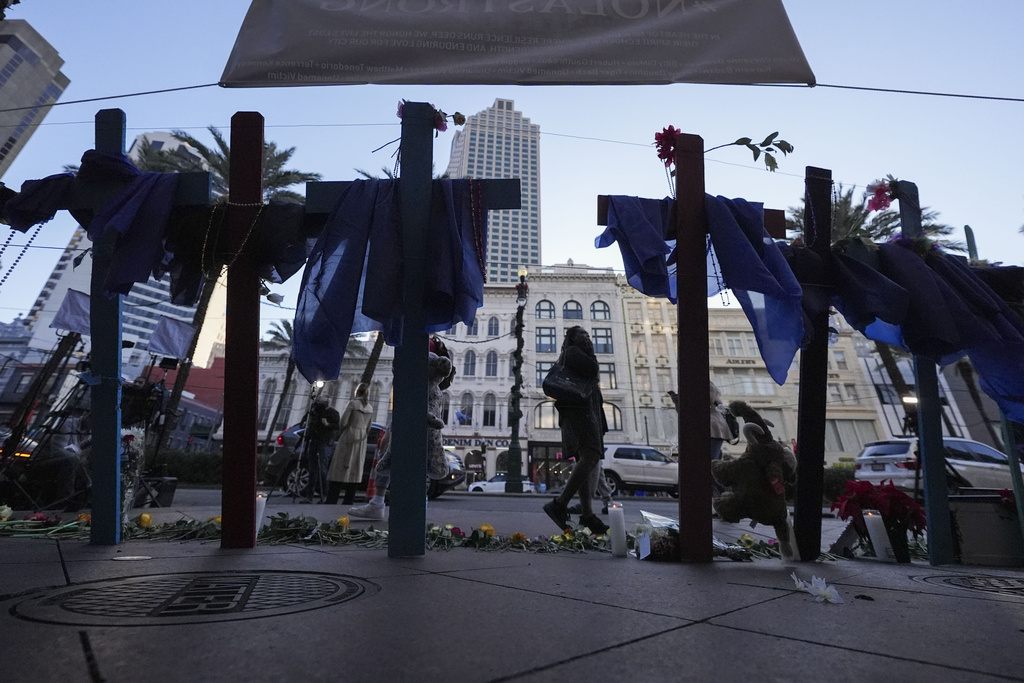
(1001, 585)
(189, 598)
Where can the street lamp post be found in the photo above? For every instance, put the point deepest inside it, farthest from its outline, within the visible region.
(514, 462)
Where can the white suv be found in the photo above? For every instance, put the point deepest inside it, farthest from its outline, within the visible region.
(978, 465)
(629, 466)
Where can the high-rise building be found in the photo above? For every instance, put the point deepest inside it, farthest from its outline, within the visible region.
(30, 82)
(499, 142)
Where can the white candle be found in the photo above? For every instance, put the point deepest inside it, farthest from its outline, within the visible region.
(261, 505)
(879, 538)
(617, 518)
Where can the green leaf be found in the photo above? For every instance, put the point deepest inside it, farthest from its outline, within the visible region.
(756, 150)
(742, 141)
(771, 138)
(784, 146)
(770, 162)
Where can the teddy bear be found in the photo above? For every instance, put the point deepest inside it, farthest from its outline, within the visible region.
(438, 370)
(757, 479)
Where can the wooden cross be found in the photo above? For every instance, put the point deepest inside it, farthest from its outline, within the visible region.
(408, 505)
(690, 225)
(105, 324)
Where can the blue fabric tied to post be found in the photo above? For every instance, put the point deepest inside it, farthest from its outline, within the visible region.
(740, 248)
(353, 280)
(139, 212)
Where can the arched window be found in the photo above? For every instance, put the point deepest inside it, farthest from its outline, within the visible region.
(469, 364)
(491, 364)
(545, 417)
(465, 412)
(493, 327)
(472, 330)
(490, 410)
(545, 309)
(614, 417)
(599, 310)
(267, 401)
(572, 310)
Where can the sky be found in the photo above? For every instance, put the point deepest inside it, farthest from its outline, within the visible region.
(594, 139)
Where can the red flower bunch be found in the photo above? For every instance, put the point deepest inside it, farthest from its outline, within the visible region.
(665, 143)
(882, 193)
(899, 511)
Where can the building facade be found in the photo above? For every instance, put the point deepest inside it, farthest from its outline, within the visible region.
(499, 142)
(30, 82)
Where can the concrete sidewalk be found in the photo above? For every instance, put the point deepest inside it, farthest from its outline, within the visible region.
(194, 612)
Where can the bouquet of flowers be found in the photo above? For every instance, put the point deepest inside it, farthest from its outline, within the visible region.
(899, 511)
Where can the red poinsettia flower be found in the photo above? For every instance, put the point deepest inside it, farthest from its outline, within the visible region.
(665, 143)
(881, 195)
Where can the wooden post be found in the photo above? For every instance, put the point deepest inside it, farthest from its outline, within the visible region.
(105, 326)
(813, 379)
(241, 351)
(408, 521)
(695, 531)
(929, 419)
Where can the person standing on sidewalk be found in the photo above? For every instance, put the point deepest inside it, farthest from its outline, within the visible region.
(322, 429)
(346, 471)
(583, 429)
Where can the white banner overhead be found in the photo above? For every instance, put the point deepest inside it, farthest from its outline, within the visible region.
(515, 42)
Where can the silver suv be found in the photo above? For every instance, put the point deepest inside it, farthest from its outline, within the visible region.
(630, 466)
(974, 464)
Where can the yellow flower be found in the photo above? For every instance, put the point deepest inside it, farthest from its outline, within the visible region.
(214, 519)
(145, 519)
(449, 526)
(517, 539)
(87, 518)
(343, 521)
(487, 529)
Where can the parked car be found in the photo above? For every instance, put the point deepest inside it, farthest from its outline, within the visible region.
(639, 468)
(456, 475)
(285, 469)
(969, 464)
(496, 484)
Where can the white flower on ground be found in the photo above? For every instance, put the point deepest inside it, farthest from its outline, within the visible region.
(822, 592)
(817, 588)
(5, 512)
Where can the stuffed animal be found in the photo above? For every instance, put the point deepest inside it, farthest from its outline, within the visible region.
(757, 479)
(438, 370)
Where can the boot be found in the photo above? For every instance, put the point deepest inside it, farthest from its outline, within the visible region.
(333, 491)
(594, 523)
(558, 514)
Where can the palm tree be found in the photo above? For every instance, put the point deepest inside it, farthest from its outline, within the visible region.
(276, 178)
(853, 221)
(280, 340)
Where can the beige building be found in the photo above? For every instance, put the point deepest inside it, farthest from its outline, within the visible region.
(635, 339)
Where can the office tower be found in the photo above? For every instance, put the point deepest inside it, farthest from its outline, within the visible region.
(499, 142)
(30, 82)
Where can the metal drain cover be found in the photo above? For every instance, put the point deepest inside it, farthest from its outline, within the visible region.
(190, 598)
(999, 585)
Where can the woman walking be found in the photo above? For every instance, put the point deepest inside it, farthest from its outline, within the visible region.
(347, 464)
(583, 428)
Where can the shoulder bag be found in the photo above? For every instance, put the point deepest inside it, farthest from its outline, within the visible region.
(566, 386)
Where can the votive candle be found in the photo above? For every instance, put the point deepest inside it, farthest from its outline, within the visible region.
(617, 529)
